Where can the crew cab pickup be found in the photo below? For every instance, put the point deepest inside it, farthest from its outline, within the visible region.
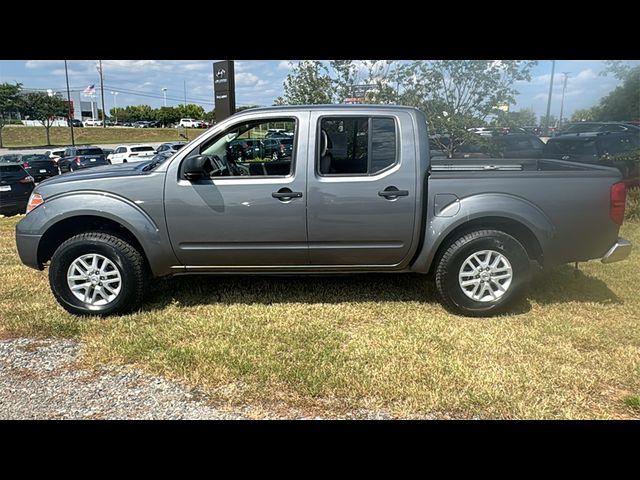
(359, 193)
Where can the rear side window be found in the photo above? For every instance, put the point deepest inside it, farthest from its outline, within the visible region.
(356, 145)
(89, 151)
(142, 149)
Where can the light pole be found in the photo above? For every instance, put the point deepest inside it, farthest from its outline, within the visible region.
(564, 88)
(99, 67)
(546, 120)
(164, 94)
(66, 74)
(115, 104)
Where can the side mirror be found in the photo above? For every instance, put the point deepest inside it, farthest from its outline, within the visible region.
(195, 168)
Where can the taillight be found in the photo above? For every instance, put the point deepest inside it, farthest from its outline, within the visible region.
(25, 165)
(617, 201)
(34, 200)
(27, 179)
(77, 160)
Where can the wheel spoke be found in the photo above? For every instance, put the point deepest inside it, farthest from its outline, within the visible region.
(466, 283)
(77, 277)
(80, 286)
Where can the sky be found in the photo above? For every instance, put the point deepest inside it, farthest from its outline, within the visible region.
(259, 82)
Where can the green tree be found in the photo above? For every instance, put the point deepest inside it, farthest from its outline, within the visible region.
(9, 103)
(166, 115)
(44, 108)
(623, 103)
(345, 76)
(585, 114)
(308, 83)
(457, 95)
(553, 121)
(210, 116)
(190, 110)
(521, 118)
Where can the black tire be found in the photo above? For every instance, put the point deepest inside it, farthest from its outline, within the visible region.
(128, 260)
(453, 256)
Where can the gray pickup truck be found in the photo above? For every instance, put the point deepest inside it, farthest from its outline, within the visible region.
(357, 193)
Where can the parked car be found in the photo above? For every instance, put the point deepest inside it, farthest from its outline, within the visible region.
(16, 186)
(38, 166)
(131, 153)
(140, 124)
(511, 145)
(75, 123)
(55, 154)
(172, 147)
(77, 158)
(375, 205)
(584, 127)
(188, 123)
(620, 150)
(107, 152)
(92, 123)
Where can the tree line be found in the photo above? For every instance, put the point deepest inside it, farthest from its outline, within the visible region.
(455, 95)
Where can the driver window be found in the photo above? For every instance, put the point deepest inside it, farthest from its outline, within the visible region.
(252, 149)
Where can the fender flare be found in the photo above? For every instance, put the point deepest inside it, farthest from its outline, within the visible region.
(475, 207)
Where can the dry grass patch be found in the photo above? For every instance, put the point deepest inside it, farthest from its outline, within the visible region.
(331, 345)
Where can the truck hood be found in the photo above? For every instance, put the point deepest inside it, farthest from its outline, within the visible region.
(107, 171)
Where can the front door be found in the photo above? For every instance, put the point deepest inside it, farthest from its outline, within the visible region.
(361, 190)
(250, 213)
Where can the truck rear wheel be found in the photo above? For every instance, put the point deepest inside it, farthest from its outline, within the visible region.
(97, 273)
(482, 273)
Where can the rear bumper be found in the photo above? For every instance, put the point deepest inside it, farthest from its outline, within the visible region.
(619, 251)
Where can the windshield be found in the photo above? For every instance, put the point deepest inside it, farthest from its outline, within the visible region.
(142, 149)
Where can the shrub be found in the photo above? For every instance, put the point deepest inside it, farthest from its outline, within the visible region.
(632, 212)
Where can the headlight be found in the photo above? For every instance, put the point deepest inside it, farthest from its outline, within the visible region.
(34, 200)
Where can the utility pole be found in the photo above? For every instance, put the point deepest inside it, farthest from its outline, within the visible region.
(564, 88)
(164, 93)
(185, 92)
(66, 73)
(546, 120)
(102, 93)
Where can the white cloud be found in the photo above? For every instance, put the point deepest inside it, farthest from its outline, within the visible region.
(246, 79)
(284, 65)
(42, 63)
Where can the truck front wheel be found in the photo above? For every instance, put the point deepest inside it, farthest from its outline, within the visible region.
(482, 273)
(96, 273)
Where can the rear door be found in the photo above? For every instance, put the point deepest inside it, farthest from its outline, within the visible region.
(361, 190)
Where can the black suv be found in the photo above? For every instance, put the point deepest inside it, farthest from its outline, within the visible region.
(620, 150)
(584, 127)
(76, 158)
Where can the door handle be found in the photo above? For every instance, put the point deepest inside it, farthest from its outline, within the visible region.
(286, 194)
(393, 192)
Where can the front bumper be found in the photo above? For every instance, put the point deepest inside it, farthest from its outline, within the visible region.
(27, 246)
(619, 251)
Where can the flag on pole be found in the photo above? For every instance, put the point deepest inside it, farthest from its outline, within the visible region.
(90, 90)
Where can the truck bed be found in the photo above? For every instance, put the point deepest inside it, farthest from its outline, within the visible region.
(571, 198)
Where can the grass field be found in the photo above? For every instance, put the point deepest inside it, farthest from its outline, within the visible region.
(16, 136)
(332, 345)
